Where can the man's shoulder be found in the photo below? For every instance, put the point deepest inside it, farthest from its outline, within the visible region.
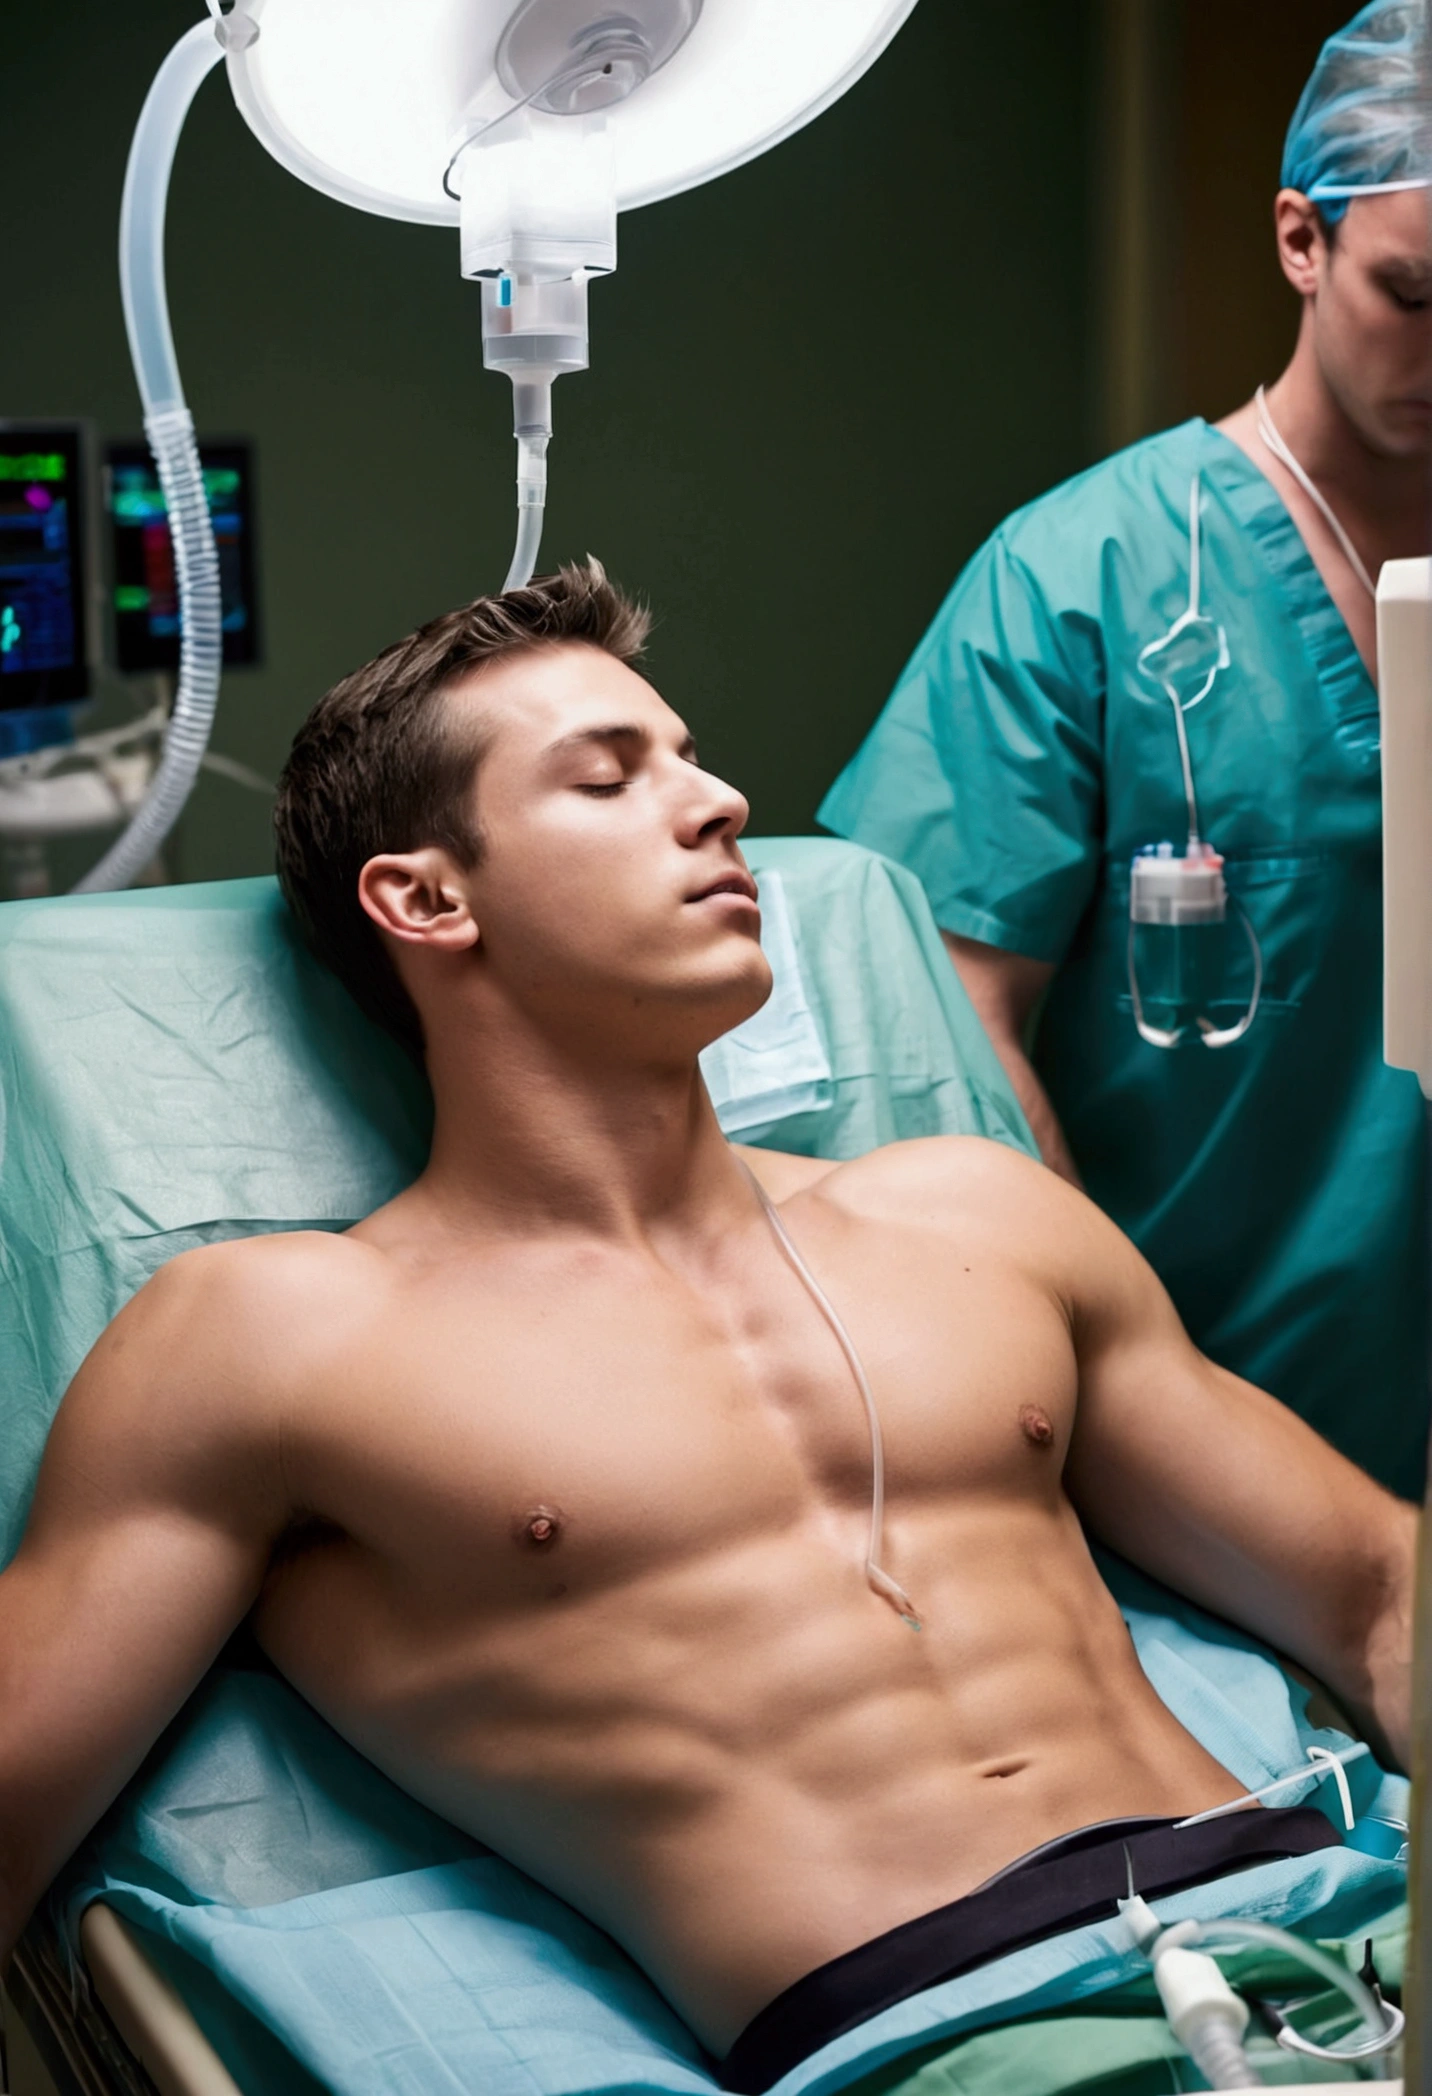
(939, 1180)
(970, 1189)
(270, 1269)
(189, 1392)
(251, 1310)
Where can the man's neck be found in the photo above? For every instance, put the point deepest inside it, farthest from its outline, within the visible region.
(536, 1135)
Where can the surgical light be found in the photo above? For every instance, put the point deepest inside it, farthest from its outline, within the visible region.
(527, 127)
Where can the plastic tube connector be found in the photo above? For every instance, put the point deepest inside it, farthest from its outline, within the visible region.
(531, 502)
(532, 468)
(1205, 2015)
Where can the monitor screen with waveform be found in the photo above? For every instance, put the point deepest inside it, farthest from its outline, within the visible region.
(43, 656)
(146, 594)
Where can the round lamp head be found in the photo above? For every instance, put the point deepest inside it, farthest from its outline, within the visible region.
(574, 57)
(366, 99)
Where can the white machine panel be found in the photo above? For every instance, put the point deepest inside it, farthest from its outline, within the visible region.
(1404, 653)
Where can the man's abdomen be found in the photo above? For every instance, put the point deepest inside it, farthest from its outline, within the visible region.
(745, 1764)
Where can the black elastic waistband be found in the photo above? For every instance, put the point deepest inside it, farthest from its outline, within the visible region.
(1064, 1885)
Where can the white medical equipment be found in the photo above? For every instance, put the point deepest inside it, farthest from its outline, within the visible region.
(1404, 660)
(1186, 893)
(526, 125)
(1209, 2018)
(1404, 656)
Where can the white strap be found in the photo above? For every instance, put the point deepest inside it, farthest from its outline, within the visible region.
(1324, 1763)
(1330, 1764)
(1268, 431)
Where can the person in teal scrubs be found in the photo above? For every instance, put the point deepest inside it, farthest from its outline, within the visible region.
(1278, 1183)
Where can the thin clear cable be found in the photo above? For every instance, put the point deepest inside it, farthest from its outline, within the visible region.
(1269, 432)
(481, 131)
(880, 1581)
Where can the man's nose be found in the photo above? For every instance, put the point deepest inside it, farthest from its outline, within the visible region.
(714, 806)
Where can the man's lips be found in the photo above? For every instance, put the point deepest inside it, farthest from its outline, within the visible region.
(740, 884)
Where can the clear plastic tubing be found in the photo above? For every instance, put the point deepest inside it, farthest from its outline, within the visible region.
(533, 330)
(1263, 1936)
(877, 1578)
(531, 501)
(170, 430)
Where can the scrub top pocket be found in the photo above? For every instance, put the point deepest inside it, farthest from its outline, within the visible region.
(1288, 897)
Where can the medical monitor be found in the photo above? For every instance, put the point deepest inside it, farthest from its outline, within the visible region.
(145, 588)
(44, 656)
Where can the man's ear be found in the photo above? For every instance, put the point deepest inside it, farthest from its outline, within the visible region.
(1302, 243)
(419, 898)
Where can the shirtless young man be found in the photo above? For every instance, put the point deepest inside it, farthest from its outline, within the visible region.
(550, 1486)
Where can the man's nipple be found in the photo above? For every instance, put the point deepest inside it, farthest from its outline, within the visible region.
(539, 1529)
(1035, 1427)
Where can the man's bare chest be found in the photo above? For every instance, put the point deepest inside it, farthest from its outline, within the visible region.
(497, 1444)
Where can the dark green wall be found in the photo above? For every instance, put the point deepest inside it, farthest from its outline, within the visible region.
(816, 383)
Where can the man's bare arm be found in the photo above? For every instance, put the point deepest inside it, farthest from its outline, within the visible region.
(1004, 989)
(158, 1499)
(1225, 1494)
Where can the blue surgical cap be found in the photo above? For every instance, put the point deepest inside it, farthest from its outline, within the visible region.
(1363, 121)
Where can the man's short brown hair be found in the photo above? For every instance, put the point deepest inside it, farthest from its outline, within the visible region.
(380, 765)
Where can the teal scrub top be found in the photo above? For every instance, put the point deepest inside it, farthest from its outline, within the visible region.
(1278, 1185)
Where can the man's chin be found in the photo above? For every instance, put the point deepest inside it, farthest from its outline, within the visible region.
(730, 1003)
